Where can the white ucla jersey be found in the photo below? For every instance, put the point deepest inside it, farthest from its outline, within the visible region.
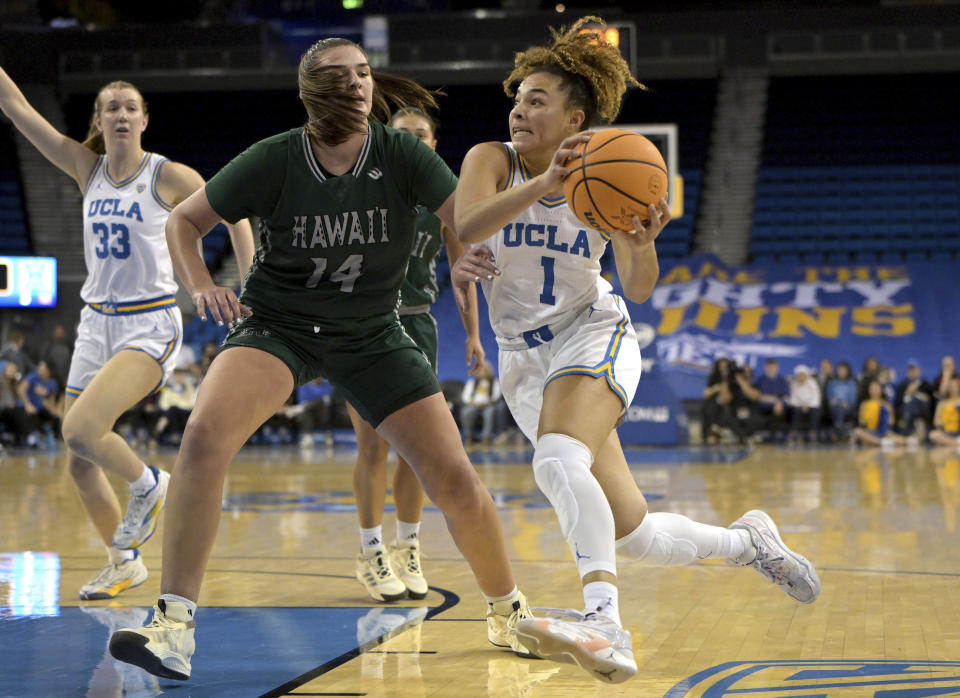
(124, 243)
(551, 269)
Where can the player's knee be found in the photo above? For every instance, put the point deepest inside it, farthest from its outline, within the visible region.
(80, 434)
(648, 545)
(459, 491)
(552, 479)
(80, 468)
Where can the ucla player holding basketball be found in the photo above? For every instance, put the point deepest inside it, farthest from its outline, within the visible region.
(569, 359)
(337, 200)
(391, 574)
(130, 330)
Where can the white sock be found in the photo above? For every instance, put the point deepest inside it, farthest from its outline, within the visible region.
(664, 539)
(371, 538)
(408, 532)
(144, 483)
(561, 467)
(604, 598)
(179, 599)
(497, 599)
(118, 556)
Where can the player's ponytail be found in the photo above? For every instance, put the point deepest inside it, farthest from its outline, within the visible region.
(333, 115)
(94, 139)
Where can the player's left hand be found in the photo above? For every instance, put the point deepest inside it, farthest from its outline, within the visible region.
(644, 234)
(475, 355)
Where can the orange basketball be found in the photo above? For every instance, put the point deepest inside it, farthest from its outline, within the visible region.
(616, 176)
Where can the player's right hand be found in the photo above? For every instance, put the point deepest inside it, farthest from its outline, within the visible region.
(222, 304)
(474, 264)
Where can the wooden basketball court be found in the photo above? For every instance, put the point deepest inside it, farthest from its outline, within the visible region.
(281, 612)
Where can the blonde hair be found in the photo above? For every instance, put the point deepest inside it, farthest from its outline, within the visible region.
(333, 115)
(94, 139)
(591, 70)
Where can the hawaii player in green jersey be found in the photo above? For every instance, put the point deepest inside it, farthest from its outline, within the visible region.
(390, 574)
(337, 202)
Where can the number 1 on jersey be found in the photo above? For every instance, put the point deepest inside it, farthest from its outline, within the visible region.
(546, 296)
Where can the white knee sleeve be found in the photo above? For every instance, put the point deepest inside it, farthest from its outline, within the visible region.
(665, 540)
(561, 467)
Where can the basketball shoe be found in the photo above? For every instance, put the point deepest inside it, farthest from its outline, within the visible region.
(502, 619)
(600, 646)
(792, 572)
(374, 572)
(143, 512)
(163, 647)
(405, 559)
(112, 579)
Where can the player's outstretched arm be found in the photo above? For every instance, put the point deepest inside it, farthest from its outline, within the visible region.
(69, 155)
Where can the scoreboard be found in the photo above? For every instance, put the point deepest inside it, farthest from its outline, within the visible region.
(28, 282)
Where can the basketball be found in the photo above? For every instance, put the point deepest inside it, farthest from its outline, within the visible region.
(617, 174)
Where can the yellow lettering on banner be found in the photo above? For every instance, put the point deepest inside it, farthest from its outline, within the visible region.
(884, 320)
(811, 274)
(708, 315)
(678, 275)
(746, 277)
(824, 322)
(892, 273)
(748, 320)
(671, 319)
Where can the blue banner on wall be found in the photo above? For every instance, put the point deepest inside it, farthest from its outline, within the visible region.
(702, 310)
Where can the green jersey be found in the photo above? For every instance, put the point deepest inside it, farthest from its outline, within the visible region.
(420, 284)
(330, 247)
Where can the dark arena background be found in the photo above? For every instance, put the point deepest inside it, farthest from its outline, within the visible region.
(814, 151)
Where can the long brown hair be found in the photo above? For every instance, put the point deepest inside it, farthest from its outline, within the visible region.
(332, 115)
(94, 139)
(591, 70)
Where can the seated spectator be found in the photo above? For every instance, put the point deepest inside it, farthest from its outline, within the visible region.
(912, 402)
(825, 374)
(886, 379)
(876, 417)
(174, 404)
(13, 428)
(773, 389)
(39, 395)
(941, 384)
(480, 395)
(57, 352)
(804, 402)
(314, 409)
(842, 399)
(869, 372)
(947, 418)
(14, 351)
(721, 399)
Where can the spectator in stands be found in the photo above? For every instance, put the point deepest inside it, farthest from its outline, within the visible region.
(825, 374)
(805, 400)
(13, 427)
(886, 379)
(876, 420)
(947, 418)
(870, 372)
(722, 397)
(174, 404)
(941, 384)
(314, 409)
(14, 351)
(481, 393)
(773, 389)
(914, 397)
(130, 329)
(38, 393)
(57, 352)
(842, 399)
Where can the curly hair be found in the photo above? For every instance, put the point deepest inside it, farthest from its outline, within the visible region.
(591, 70)
(332, 115)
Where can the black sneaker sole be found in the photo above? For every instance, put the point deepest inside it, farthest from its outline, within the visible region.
(131, 648)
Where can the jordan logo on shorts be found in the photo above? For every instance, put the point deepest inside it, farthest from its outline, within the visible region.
(535, 338)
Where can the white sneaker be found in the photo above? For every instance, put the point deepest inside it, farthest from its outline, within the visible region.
(374, 572)
(405, 559)
(163, 647)
(775, 561)
(113, 579)
(143, 512)
(502, 619)
(600, 646)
